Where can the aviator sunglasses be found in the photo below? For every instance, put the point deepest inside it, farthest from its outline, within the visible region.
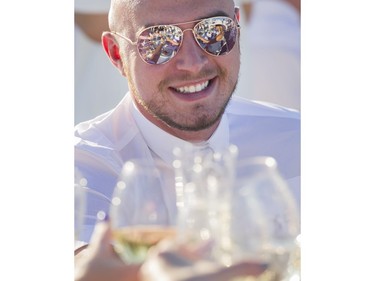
(160, 43)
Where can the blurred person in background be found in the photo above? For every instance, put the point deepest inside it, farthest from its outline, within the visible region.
(270, 51)
(98, 86)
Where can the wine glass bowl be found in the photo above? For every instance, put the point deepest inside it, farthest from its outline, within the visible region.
(203, 181)
(139, 215)
(261, 186)
(88, 202)
(264, 182)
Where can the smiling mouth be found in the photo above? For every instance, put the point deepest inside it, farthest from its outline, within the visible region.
(193, 88)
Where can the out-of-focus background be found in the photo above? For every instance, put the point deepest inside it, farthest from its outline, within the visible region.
(98, 85)
(271, 51)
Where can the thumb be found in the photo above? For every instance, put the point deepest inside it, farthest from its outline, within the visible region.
(102, 236)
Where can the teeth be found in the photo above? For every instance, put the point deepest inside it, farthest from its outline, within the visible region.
(193, 88)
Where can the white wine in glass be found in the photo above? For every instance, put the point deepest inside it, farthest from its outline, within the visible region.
(139, 215)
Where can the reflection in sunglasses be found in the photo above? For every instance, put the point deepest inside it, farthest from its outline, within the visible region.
(159, 44)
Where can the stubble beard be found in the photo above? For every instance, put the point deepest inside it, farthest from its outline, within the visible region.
(203, 120)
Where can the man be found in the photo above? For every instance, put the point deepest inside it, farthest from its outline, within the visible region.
(184, 96)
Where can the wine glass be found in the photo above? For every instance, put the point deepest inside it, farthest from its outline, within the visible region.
(139, 215)
(79, 204)
(260, 186)
(203, 181)
(88, 203)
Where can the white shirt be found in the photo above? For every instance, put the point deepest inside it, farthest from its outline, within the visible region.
(105, 143)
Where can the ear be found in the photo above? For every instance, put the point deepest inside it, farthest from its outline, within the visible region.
(237, 16)
(112, 49)
(237, 13)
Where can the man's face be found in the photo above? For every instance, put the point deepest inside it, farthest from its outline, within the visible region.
(188, 93)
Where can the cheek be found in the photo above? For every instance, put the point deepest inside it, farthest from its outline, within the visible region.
(232, 64)
(235, 61)
(129, 59)
(146, 78)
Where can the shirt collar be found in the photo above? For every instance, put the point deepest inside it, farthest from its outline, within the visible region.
(163, 143)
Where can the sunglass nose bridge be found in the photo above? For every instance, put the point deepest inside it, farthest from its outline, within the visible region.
(193, 40)
(184, 36)
(187, 29)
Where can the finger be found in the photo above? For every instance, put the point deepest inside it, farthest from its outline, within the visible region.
(190, 252)
(246, 268)
(209, 272)
(166, 245)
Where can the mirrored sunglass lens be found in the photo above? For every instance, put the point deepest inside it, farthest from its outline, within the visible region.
(158, 44)
(216, 36)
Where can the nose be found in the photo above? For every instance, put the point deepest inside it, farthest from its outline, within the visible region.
(190, 57)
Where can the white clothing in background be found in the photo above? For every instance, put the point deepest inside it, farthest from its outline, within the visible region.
(270, 54)
(98, 85)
